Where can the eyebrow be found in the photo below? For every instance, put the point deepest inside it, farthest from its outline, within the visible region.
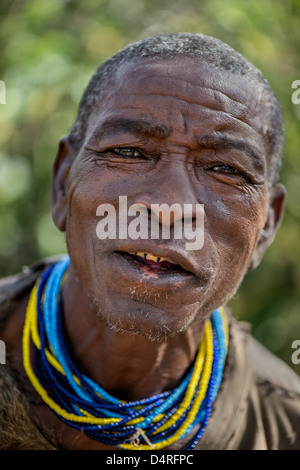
(152, 129)
(143, 128)
(220, 142)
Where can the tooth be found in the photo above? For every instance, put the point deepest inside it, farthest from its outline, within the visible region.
(149, 256)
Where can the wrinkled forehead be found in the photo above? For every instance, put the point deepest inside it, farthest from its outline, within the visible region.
(191, 81)
(192, 75)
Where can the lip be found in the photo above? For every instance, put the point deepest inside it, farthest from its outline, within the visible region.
(176, 256)
(141, 277)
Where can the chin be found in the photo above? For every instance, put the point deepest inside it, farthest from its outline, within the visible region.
(145, 320)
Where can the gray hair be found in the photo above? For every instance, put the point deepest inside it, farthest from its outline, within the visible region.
(202, 48)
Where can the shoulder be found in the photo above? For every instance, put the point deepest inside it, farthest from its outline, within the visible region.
(270, 369)
(14, 288)
(17, 430)
(258, 404)
(274, 397)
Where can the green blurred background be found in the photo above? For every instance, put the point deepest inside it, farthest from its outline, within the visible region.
(49, 49)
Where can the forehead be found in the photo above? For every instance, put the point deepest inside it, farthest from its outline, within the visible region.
(182, 88)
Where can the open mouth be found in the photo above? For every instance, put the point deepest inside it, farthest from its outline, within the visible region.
(153, 263)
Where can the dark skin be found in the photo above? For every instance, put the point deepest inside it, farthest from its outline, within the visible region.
(171, 131)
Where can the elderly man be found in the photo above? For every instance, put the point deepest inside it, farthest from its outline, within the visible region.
(125, 343)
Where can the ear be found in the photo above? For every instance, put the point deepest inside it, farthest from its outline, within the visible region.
(274, 217)
(61, 167)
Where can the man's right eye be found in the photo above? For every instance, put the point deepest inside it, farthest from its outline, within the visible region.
(127, 152)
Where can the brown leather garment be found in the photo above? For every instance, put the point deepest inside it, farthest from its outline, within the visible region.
(257, 408)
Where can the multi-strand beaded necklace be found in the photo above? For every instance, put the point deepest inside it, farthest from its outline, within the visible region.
(155, 422)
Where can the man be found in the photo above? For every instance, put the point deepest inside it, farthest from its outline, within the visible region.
(126, 343)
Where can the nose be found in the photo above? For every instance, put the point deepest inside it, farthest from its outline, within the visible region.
(171, 196)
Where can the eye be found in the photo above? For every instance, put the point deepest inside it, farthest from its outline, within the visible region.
(127, 152)
(227, 169)
(228, 173)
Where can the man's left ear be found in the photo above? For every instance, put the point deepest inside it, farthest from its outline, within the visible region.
(267, 234)
(61, 167)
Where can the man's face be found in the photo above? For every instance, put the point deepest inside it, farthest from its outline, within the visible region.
(174, 132)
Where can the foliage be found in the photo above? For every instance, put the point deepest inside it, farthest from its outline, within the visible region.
(49, 51)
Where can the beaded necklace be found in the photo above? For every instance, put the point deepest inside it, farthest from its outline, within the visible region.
(155, 422)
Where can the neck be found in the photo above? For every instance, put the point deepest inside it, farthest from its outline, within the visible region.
(130, 367)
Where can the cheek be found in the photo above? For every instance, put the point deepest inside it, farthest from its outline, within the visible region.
(83, 199)
(236, 223)
(233, 227)
(94, 184)
(90, 187)
(82, 205)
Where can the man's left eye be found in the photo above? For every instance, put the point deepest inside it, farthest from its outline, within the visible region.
(228, 169)
(127, 152)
